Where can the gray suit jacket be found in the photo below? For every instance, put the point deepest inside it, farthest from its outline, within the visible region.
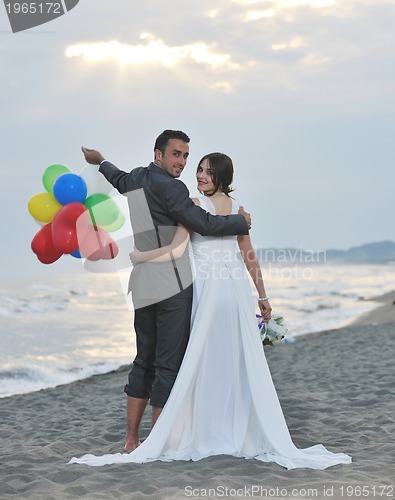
(157, 202)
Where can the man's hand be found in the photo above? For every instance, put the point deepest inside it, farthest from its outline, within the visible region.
(246, 215)
(92, 156)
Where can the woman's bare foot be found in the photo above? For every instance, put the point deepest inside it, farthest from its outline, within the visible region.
(131, 445)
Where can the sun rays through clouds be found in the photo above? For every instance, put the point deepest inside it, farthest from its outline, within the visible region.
(153, 50)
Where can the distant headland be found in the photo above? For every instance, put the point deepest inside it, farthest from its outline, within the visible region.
(381, 252)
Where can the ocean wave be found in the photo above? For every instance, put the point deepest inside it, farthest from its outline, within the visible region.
(35, 304)
(313, 308)
(77, 292)
(37, 308)
(5, 312)
(21, 380)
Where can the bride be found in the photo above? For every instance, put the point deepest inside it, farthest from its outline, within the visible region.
(223, 401)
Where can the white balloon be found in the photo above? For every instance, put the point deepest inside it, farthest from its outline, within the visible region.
(94, 180)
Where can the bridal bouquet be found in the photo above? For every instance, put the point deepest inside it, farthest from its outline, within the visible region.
(273, 331)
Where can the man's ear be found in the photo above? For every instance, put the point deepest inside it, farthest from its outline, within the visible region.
(158, 156)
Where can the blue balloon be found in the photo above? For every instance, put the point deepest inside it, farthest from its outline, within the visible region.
(76, 254)
(70, 187)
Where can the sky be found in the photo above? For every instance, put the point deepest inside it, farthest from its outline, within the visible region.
(300, 93)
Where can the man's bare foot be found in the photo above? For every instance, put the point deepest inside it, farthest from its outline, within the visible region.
(131, 445)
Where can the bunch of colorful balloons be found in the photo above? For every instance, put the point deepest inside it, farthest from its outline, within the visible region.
(76, 214)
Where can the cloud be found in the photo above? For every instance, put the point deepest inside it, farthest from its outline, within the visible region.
(285, 4)
(289, 8)
(222, 86)
(317, 4)
(315, 59)
(273, 6)
(254, 15)
(212, 13)
(153, 51)
(293, 44)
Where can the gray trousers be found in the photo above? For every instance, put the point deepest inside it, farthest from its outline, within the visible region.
(162, 334)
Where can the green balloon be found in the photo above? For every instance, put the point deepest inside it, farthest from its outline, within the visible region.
(51, 173)
(117, 224)
(103, 210)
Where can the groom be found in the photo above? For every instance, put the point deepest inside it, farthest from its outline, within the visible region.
(162, 295)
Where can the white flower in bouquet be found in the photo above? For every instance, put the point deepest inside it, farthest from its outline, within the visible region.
(273, 330)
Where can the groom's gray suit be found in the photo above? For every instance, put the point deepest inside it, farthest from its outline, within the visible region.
(162, 293)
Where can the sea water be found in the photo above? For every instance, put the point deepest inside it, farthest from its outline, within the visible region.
(57, 329)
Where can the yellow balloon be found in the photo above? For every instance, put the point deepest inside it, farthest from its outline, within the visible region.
(43, 207)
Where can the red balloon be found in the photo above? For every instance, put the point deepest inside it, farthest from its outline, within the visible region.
(97, 244)
(49, 258)
(43, 245)
(64, 227)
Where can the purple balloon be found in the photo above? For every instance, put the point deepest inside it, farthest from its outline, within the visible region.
(70, 187)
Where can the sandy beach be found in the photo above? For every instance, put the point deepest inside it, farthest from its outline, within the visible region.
(336, 388)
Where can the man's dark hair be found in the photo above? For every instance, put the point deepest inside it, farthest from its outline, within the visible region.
(166, 135)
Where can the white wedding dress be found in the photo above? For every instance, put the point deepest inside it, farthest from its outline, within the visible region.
(223, 401)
